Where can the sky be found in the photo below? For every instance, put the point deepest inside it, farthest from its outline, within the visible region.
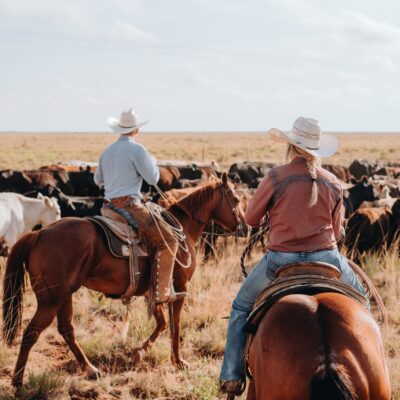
(199, 65)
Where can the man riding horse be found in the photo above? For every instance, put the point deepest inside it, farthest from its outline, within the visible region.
(122, 167)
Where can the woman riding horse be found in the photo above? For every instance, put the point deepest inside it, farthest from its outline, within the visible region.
(304, 204)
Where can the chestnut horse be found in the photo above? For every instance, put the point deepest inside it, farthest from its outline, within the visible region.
(326, 346)
(72, 253)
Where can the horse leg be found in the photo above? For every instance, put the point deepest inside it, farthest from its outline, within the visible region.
(176, 334)
(251, 392)
(159, 315)
(40, 321)
(66, 329)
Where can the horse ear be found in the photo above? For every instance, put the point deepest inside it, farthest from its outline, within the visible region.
(40, 196)
(47, 201)
(225, 178)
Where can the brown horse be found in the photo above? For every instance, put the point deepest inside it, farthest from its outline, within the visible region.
(72, 253)
(325, 346)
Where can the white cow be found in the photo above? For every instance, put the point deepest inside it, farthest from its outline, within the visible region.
(20, 214)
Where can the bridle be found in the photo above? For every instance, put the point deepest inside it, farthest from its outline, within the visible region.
(225, 194)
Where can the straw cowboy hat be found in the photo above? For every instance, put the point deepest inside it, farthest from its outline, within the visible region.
(127, 123)
(306, 134)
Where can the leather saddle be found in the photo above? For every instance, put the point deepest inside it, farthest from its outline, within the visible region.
(118, 232)
(300, 278)
(123, 241)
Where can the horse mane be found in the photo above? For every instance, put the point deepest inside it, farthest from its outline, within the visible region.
(192, 202)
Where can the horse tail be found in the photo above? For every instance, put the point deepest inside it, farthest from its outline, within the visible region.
(333, 383)
(14, 286)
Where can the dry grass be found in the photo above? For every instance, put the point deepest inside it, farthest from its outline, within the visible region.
(98, 322)
(51, 366)
(27, 151)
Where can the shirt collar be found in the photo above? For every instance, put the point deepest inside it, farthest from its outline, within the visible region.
(298, 160)
(124, 138)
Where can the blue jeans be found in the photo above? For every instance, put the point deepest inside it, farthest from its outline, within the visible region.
(260, 277)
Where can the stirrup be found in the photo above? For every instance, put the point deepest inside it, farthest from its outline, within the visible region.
(173, 297)
(232, 387)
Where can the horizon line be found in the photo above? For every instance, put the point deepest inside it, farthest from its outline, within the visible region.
(185, 132)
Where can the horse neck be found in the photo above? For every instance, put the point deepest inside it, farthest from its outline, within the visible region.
(33, 211)
(194, 223)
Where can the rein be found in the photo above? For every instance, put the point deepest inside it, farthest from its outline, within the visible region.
(235, 213)
(225, 194)
(264, 228)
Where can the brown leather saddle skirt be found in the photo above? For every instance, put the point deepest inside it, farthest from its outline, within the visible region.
(124, 241)
(117, 235)
(118, 232)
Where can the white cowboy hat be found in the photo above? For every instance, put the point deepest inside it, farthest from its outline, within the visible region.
(127, 123)
(306, 134)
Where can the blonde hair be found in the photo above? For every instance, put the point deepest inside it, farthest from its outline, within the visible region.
(312, 162)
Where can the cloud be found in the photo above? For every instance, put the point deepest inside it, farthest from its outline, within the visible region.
(366, 29)
(226, 90)
(121, 30)
(75, 19)
(380, 61)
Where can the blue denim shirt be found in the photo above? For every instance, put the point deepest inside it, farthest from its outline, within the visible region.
(123, 166)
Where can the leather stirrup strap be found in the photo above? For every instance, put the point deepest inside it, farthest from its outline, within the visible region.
(134, 273)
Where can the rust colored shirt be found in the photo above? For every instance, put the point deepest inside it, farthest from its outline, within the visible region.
(285, 195)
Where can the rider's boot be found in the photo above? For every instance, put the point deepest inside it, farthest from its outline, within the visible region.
(234, 387)
(164, 264)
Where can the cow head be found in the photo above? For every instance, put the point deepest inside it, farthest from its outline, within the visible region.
(51, 211)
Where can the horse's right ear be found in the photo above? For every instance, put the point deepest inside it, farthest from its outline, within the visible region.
(40, 196)
(225, 178)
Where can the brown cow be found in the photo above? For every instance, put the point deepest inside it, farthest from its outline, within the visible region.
(173, 195)
(169, 179)
(372, 229)
(339, 171)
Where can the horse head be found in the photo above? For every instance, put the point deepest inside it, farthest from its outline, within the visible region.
(229, 212)
(216, 201)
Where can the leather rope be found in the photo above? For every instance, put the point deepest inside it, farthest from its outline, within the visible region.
(252, 241)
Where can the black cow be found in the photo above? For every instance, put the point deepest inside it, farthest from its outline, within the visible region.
(247, 171)
(14, 181)
(360, 168)
(196, 172)
(71, 206)
(82, 184)
(354, 196)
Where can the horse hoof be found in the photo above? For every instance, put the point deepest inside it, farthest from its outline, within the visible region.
(93, 373)
(138, 355)
(182, 364)
(17, 383)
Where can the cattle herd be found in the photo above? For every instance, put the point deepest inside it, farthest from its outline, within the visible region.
(371, 192)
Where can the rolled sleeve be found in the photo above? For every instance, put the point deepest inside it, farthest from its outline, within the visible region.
(258, 205)
(146, 165)
(98, 176)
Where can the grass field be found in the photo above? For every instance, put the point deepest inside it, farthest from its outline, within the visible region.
(27, 151)
(52, 371)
